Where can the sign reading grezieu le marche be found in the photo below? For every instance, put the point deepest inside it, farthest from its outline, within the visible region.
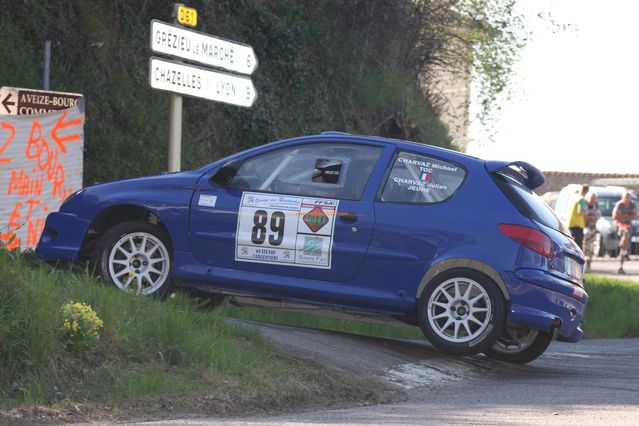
(201, 83)
(19, 101)
(203, 48)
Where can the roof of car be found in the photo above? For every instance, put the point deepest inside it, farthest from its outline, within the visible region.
(330, 134)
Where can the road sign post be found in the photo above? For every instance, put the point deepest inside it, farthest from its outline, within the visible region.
(184, 79)
(175, 121)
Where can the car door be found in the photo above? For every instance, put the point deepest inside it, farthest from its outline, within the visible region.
(416, 218)
(298, 211)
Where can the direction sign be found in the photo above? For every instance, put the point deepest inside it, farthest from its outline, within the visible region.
(203, 48)
(19, 101)
(202, 83)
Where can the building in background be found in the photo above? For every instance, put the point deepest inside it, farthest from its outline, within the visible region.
(449, 89)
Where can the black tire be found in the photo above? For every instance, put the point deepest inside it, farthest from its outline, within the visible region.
(439, 312)
(613, 252)
(520, 346)
(138, 270)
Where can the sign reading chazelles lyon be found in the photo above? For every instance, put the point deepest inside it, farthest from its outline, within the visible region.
(203, 48)
(18, 101)
(201, 83)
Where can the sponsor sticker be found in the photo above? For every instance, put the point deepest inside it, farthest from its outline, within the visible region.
(285, 230)
(207, 200)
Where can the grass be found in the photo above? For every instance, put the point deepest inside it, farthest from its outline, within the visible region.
(148, 350)
(151, 350)
(613, 307)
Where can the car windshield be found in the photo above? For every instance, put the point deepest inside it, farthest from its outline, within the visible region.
(606, 204)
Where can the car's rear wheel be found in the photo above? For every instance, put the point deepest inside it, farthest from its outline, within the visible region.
(462, 312)
(519, 345)
(135, 257)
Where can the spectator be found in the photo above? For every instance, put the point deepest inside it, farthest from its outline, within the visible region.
(577, 216)
(623, 214)
(593, 213)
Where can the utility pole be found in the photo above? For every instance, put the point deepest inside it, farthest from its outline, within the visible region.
(47, 64)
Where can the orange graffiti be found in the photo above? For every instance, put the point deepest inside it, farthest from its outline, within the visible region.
(11, 129)
(61, 125)
(23, 184)
(45, 175)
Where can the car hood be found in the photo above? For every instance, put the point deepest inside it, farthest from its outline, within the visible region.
(129, 189)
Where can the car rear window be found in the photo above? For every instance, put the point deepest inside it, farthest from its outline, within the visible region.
(418, 179)
(527, 202)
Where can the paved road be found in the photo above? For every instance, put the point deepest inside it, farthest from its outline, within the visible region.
(591, 383)
(608, 267)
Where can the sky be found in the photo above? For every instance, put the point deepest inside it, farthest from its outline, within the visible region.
(575, 94)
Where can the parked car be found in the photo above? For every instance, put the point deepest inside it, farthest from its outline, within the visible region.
(607, 197)
(550, 198)
(458, 246)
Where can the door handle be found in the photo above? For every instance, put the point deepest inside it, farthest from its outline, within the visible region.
(348, 217)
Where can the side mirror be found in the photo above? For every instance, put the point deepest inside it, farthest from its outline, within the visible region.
(225, 174)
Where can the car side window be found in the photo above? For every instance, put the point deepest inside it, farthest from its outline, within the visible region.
(318, 170)
(420, 179)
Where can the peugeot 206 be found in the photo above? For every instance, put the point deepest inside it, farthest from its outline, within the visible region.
(460, 247)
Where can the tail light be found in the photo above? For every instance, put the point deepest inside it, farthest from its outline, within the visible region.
(530, 238)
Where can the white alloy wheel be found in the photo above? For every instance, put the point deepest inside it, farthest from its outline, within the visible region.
(139, 262)
(514, 341)
(459, 310)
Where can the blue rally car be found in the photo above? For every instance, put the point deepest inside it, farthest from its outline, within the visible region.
(361, 225)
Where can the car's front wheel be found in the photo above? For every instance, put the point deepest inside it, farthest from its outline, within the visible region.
(135, 257)
(520, 346)
(462, 312)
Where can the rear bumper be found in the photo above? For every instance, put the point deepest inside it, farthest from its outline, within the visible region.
(541, 300)
(62, 237)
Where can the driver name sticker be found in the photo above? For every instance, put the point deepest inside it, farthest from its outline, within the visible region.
(285, 230)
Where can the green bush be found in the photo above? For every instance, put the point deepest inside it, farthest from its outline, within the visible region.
(319, 69)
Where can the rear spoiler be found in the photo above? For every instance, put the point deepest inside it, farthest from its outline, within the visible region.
(523, 172)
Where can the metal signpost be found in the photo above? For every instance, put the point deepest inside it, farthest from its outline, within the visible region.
(184, 79)
(19, 101)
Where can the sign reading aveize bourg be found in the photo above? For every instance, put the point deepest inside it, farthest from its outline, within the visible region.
(40, 166)
(19, 101)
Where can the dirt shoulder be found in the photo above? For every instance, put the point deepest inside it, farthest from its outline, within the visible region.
(324, 369)
(305, 384)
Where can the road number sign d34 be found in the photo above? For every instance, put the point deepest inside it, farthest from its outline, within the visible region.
(201, 83)
(195, 46)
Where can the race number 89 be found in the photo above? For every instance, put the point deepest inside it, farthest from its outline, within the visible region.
(276, 225)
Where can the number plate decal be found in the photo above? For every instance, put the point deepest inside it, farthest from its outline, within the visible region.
(285, 230)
